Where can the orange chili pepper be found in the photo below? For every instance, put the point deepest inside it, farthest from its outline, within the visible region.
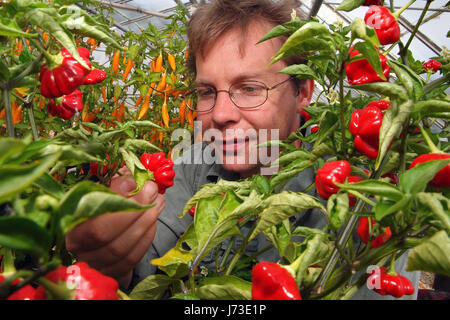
(105, 98)
(182, 111)
(19, 47)
(162, 84)
(171, 60)
(128, 68)
(186, 54)
(165, 114)
(45, 36)
(120, 112)
(190, 118)
(158, 64)
(144, 107)
(138, 101)
(115, 62)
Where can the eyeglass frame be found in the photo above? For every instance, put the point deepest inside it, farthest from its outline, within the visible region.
(231, 98)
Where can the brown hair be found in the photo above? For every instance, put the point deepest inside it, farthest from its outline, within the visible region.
(211, 20)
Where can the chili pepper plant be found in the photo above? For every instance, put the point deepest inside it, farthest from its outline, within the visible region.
(381, 159)
(381, 165)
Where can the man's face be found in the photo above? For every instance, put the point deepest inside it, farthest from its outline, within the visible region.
(230, 60)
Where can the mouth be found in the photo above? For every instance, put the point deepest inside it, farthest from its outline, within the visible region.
(233, 144)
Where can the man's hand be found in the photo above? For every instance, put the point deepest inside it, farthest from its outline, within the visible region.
(114, 243)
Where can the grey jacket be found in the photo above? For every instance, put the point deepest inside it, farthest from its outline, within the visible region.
(191, 174)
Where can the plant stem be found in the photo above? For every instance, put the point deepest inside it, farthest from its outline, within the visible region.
(416, 28)
(342, 113)
(397, 13)
(29, 105)
(26, 71)
(7, 106)
(436, 83)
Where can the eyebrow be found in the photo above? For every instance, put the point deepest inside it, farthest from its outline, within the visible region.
(242, 77)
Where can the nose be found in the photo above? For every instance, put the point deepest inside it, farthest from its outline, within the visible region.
(225, 111)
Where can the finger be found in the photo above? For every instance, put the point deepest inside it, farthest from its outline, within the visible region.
(129, 261)
(118, 249)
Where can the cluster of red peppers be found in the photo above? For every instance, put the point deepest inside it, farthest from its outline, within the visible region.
(76, 282)
(162, 169)
(271, 281)
(61, 78)
(388, 31)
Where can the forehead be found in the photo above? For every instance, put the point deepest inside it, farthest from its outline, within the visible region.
(239, 49)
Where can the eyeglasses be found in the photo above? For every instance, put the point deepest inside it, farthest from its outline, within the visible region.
(248, 94)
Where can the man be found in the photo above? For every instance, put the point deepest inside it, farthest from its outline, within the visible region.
(238, 92)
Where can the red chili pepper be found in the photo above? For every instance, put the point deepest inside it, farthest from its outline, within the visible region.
(162, 169)
(390, 283)
(66, 106)
(384, 23)
(363, 232)
(432, 65)
(27, 292)
(66, 76)
(331, 172)
(95, 76)
(88, 283)
(361, 72)
(93, 167)
(365, 126)
(305, 114)
(352, 198)
(369, 3)
(382, 104)
(442, 178)
(314, 129)
(271, 281)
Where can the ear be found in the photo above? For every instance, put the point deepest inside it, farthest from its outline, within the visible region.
(305, 95)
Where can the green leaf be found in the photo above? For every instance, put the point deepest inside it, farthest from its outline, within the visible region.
(80, 22)
(10, 147)
(23, 234)
(415, 180)
(16, 178)
(370, 53)
(316, 249)
(434, 201)
(383, 209)
(9, 28)
(50, 186)
(88, 205)
(306, 32)
(337, 208)
(392, 90)
(349, 5)
(410, 80)
(433, 255)
(281, 206)
(276, 31)
(431, 108)
(375, 187)
(301, 71)
(45, 19)
(393, 120)
(175, 263)
(151, 288)
(226, 287)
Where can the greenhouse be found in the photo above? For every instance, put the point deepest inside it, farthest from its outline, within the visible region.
(224, 150)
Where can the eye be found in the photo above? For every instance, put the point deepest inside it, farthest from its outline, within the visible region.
(205, 92)
(248, 89)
